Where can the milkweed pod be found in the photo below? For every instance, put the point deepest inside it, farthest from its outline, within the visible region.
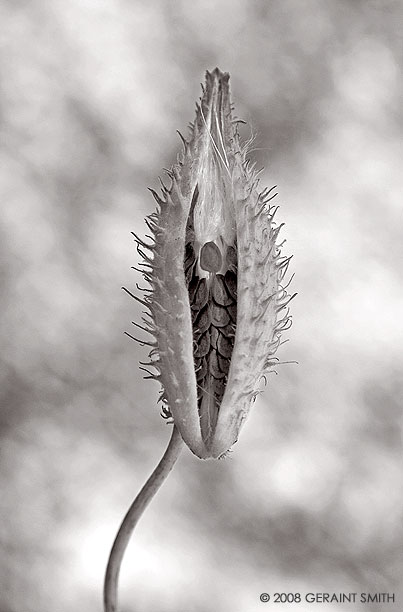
(215, 275)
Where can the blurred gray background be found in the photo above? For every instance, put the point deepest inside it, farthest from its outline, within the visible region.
(311, 498)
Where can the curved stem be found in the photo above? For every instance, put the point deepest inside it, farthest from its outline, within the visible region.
(134, 513)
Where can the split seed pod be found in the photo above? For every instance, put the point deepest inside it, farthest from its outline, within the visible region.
(215, 274)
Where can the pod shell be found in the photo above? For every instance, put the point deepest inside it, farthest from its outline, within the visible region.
(215, 162)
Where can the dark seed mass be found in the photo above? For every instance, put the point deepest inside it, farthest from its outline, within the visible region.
(213, 302)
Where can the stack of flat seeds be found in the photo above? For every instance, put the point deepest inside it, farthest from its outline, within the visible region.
(213, 302)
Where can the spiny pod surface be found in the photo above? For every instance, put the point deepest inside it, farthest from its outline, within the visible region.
(215, 274)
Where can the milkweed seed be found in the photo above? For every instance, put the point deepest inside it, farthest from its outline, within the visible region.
(210, 257)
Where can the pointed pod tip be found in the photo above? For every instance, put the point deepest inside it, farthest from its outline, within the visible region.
(218, 73)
